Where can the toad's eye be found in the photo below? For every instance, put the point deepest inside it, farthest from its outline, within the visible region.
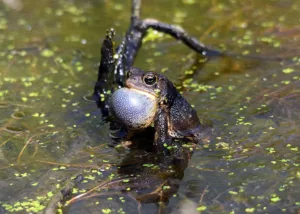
(150, 79)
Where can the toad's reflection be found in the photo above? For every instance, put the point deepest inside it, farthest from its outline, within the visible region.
(153, 177)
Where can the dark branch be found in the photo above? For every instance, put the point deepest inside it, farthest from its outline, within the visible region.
(132, 42)
(134, 37)
(120, 70)
(135, 9)
(179, 34)
(107, 56)
(105, 71)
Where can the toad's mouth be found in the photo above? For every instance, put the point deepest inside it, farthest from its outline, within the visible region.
(149, 93)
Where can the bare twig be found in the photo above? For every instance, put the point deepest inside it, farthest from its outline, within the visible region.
(101, 185)
(69, 165)
(203, 193)
(3, 143)
(28, 140)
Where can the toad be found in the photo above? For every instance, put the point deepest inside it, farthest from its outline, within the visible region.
(151, 99)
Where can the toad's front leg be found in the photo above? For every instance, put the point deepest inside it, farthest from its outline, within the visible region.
(162, 138)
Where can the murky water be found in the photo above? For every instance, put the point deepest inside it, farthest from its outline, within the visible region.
(52, 132)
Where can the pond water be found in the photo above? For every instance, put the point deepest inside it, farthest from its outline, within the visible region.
(51, 131)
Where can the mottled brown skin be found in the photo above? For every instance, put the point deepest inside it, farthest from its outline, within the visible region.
(175, 117)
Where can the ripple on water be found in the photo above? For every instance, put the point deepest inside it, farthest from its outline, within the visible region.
(18, 115)
(89, 97)
(15, 129)
(4, 105)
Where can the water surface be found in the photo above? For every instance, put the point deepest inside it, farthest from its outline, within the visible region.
(51, 131)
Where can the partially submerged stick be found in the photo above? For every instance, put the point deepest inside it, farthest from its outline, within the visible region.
(128, 50)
